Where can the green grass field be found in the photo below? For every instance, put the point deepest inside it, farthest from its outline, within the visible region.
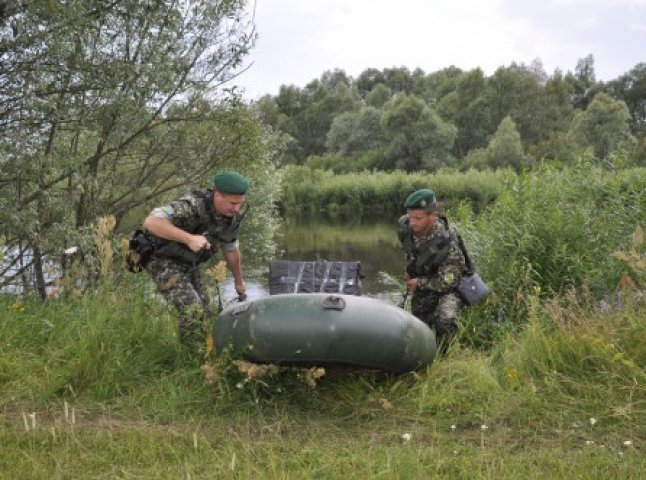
(97, 387)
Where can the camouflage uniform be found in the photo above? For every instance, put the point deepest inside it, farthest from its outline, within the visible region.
(178, 281)
(434, 300)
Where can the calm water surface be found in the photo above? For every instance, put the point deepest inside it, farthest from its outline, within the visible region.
(372, 242)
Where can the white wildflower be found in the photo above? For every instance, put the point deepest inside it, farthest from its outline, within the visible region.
(589, 442)
(71, 250)
(628, 443)
(406, 437)
(483, 427)
(593, 421)
(453, 427)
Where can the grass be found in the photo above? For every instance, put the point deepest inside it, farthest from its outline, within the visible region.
(321, 190)
(97, 387)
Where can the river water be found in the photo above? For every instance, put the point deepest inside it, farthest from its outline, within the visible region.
(373, 242)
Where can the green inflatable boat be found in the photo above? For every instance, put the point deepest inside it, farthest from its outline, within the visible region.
(324, 329)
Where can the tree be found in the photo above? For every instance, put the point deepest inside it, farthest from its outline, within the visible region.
(439, 84)
(378, 96)
(631, 88)
(552, 123)
(466, 107)
(604, 126)
(367, 80)
(355, 132)
(107, 105)
(583, 83)
(516, 91)
(335, 78)
(399, 80)
(416, 137)
(313, 121)
(505, 149)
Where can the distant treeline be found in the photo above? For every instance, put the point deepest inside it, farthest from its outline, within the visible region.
(397, 119)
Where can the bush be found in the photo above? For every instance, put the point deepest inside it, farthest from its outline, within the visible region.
(553, 230)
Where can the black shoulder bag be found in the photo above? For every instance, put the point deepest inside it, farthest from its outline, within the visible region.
(471, 288)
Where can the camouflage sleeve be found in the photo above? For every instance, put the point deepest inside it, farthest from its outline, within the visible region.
(184, 213)
(448, 274)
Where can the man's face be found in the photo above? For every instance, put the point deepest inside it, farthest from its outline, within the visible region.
(227, 204)
(421, 221)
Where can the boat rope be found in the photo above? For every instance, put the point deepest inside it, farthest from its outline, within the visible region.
(326, 276)
(299, 275)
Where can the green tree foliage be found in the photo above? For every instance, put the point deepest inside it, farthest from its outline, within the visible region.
(378, 96)
(441, 83)
(557, 114)
(584, 82)
(398, 79)
(352, 132)
(307, 114)
(466, 107)
(417, 138)
(505, 149)
(604, 126)
(542, 107)
(368, 79)
(631, 88)
(104, 109)
(516, 91)
(314, 121)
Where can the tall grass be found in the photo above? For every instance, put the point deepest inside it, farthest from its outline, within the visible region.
(321, 190)
(550, 231)
(97, 387)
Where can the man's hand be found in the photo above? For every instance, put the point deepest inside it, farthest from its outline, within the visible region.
(241, 289)
(198, 243)
(411, 283)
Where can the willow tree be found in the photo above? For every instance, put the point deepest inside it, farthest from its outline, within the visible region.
(106, 105)
(415, 135)
(603, 127)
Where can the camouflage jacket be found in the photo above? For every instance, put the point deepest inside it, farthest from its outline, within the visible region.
(436, 259)
(195, 214)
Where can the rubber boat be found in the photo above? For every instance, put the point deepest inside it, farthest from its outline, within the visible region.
(324, 329)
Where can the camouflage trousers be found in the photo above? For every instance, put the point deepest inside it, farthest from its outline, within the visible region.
(180, 284)
(439, 311)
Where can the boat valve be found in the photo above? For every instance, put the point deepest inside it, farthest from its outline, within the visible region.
(333, 303)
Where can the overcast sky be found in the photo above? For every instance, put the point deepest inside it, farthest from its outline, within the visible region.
(298, 40)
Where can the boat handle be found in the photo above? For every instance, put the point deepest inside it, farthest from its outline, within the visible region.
(333, 303)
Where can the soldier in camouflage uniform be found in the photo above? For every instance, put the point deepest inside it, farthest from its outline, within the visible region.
(185, 233)
(434, 264)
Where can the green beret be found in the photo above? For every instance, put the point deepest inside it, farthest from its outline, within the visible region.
(421, 200)
(231, 182)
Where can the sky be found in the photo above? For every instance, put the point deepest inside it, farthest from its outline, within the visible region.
(298, 40)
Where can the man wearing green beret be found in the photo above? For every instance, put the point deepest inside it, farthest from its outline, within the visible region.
(434, 264)
(184, 234)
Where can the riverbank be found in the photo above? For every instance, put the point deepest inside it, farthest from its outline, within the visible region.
(96, 387)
